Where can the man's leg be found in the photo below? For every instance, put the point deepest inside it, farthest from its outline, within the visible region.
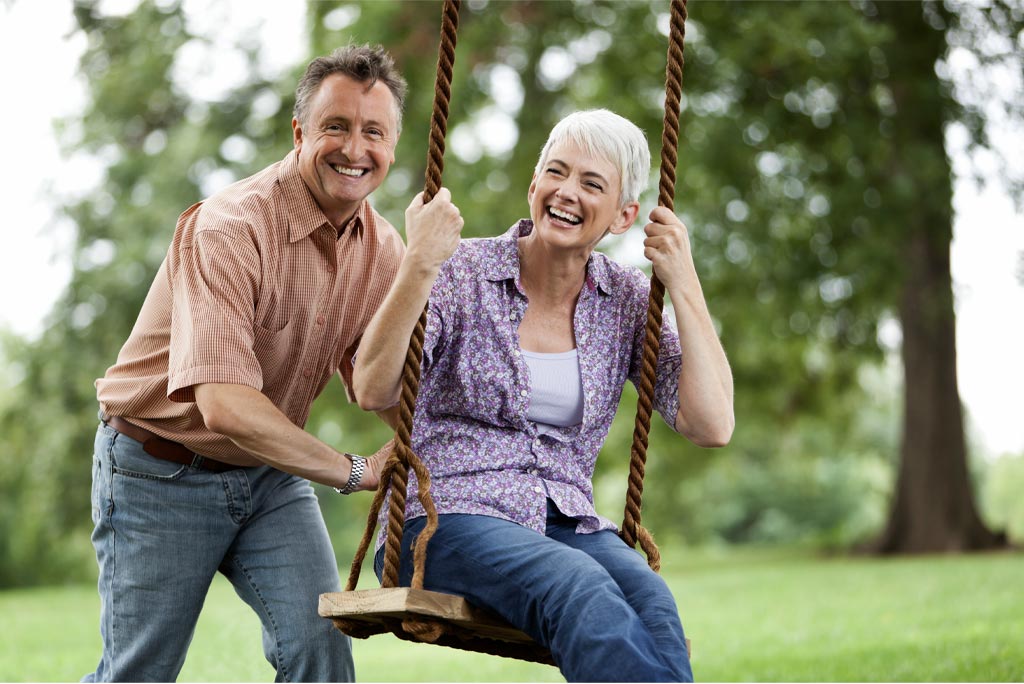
(644, 589)
(558, 595)
(280, 563)
(159, 534)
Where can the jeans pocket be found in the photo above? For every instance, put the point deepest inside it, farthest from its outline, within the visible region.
(129, 459)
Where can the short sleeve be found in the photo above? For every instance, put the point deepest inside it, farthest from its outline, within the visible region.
(441, 307)
(215, 281)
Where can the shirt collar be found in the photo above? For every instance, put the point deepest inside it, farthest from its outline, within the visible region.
(304, 215)
(504, 264)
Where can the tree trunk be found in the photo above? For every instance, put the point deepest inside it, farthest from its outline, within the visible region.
(933, 507)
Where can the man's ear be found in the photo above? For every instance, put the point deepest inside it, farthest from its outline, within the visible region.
(627, 215)
(297, 134)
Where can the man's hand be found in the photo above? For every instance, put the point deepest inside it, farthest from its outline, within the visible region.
(374, 467)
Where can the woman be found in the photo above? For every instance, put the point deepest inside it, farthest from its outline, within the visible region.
(530, 338)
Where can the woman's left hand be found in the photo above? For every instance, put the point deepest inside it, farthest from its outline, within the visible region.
(667, 246)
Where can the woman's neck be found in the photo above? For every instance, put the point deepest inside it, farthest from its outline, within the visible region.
(552, 276)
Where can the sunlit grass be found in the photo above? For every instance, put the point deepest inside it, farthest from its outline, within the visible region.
(753, 616)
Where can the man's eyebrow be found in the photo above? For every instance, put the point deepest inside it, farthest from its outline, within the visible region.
(344, 119)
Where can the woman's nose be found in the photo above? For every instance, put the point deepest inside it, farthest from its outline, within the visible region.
(566, 190)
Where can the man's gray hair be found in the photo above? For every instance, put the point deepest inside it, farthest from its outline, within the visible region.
(605, 134)
(361, 63)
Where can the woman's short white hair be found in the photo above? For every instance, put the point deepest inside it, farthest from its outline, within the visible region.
(605, 134)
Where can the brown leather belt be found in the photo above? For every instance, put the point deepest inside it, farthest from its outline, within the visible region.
(164, 449)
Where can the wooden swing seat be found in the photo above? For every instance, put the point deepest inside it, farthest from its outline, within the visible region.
(465, 626)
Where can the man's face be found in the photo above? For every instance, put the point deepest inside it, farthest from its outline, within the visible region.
(347, 143)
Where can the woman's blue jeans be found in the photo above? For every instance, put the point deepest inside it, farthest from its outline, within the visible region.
(163, 530)
(589, 598)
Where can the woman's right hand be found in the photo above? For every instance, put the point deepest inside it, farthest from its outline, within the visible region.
(432, 230)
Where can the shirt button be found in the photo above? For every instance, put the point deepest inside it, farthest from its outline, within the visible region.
(538, 490)
(524, 393)
(532, 471)
(516, 352)
(320, 320)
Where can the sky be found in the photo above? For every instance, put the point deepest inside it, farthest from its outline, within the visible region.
(987, 254)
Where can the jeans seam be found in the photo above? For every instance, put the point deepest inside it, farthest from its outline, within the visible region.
(281, 664)
(235, 516)
(113, 535)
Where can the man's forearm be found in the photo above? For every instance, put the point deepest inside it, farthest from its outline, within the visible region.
(251, 421)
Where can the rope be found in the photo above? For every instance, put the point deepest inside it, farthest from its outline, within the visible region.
(632, 529)
(411, 372)
(395, 473)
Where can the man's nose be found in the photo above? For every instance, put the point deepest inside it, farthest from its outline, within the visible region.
(352, 147)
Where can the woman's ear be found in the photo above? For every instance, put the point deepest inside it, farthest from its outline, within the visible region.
(627, 215)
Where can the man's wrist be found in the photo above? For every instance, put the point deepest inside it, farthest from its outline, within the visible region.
(355, 475)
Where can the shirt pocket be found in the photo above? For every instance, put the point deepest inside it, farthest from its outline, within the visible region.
(273, 351)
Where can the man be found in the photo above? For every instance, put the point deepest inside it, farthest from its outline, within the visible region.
(201, 463)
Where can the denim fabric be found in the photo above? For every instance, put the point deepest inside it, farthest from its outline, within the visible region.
(162, 530)
(589, 598)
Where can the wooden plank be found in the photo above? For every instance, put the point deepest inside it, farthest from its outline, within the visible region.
(377, 605)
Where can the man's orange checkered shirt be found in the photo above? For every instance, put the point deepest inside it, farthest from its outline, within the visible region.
(257, 289)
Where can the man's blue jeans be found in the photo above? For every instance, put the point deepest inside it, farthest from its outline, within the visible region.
(589, 598)
(162, 530)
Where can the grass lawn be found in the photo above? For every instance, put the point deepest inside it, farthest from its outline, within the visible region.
(753, 616)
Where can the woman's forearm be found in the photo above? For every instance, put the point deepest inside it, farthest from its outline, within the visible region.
(705, 381)
(377, 377)
(432, 229)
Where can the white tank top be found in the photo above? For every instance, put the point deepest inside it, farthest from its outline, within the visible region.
(556, 390)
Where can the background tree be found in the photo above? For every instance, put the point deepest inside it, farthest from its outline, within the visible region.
(163, 149)
(933, 507)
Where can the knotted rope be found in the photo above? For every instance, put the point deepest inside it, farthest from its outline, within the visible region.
(396, 469)
(632, 530)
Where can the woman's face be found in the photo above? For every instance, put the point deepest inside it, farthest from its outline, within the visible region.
(574, 199)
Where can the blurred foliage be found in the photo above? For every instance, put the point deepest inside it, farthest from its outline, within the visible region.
(797, 225)
(1001, 498)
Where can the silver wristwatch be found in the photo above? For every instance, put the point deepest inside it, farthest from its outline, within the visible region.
(354, 477)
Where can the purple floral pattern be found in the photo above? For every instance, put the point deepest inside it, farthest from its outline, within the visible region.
(470, 427)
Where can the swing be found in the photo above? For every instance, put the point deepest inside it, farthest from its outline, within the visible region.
(413, 613)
